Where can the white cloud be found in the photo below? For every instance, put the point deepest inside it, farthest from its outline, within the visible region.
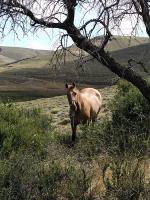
(129, 27)
(37, 45)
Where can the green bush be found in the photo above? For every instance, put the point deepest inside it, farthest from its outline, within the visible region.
(129, 128)
(126, 136)
(22, 130)
(25, 177)
(32, 164)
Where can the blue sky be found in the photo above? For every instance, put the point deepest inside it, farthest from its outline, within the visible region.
(41, 40)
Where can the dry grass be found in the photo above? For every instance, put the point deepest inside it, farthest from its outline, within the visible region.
(58, 108)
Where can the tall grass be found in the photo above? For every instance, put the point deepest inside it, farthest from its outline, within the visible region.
(39, 163)
(32, 166)
(127, 181)
(129, 129)
(126, 137)
(25, 177)
(22, 130)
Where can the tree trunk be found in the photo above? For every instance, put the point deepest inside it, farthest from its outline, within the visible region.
(127, 73)
(104, 58)
(145, 14)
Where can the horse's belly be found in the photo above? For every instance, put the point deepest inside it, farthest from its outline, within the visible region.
(91, 106)
(95, 105)
(95, 111)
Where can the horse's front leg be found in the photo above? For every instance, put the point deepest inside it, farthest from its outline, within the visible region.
(74, 123)
(74, 128)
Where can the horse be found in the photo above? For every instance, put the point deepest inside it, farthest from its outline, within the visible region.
(85, 104)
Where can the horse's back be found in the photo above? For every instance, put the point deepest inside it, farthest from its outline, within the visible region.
(90, 93)
(93, 99)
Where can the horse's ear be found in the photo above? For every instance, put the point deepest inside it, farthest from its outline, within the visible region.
(66, 85)
(73, 84)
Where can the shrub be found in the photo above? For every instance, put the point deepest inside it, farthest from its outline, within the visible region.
(24, 177)
(32, 166)
(129, 128)
(22, 130)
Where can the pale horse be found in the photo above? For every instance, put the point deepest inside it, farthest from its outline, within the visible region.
(85, 104)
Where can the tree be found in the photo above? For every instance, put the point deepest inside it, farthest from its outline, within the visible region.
(27, 14)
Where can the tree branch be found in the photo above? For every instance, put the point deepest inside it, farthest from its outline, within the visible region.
(144, 13)
(104, 58)
(22, 9)
(70, 5)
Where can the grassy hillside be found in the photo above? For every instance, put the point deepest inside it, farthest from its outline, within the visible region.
(139, 53)
(12, 54)
(122, 42)
(38, 77)
(5, 60)
(117, 42)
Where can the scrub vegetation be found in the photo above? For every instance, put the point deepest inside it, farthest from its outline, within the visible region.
(110, 159)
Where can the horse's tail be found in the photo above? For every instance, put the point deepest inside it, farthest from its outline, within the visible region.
(98, 94)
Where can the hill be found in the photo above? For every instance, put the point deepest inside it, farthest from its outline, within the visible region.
(12, 54)
(38, 77)
(116, 43)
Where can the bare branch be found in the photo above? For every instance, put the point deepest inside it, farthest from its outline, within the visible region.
(22, 9)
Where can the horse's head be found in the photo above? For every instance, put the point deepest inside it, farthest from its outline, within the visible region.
(72, 94)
